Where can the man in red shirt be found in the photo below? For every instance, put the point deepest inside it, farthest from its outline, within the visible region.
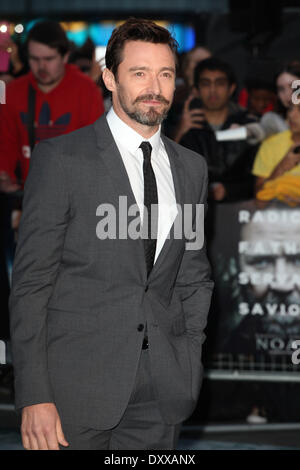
(63, 99)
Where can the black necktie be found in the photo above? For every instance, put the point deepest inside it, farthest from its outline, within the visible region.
(151, 204)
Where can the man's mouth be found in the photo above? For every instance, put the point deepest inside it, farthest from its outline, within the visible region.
(152, 100)
(43, 74)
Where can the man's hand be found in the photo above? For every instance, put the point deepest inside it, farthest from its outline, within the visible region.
(6, 184)
(190, 119)
(41, 428)
(289, 161)
(10, 46)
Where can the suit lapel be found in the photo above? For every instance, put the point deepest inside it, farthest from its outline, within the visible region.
(117, 171)
(114, 164)
(177, 170)
(113, 160)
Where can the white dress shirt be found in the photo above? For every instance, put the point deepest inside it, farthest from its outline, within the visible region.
(128, 142)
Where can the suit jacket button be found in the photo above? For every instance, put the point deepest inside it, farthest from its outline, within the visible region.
(140, 327)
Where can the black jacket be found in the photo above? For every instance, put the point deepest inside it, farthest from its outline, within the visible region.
(228, 162)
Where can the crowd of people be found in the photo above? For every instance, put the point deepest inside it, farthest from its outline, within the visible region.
(261, 162)
(54, 97)
(55, 87)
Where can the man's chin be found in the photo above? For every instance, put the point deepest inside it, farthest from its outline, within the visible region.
(45, 82)
(151, 117)
(214, 107)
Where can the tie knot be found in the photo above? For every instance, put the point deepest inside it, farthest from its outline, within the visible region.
(146, 149)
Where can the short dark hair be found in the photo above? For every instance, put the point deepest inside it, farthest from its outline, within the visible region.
(51, 34)
(292, 68)
(135, 29)
(213, 64)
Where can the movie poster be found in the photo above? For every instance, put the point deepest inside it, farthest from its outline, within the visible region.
(254, 250)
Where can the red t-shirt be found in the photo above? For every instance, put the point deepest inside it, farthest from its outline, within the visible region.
(74, 103)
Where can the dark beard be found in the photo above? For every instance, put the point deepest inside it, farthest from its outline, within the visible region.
(150, 118)
(276, 324)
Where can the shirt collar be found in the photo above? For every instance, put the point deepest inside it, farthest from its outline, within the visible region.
(128, 137)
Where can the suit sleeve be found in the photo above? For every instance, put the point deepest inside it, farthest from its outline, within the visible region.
(39, 249)
(194, 285)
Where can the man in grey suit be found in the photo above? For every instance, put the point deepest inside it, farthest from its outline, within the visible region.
(107, 325)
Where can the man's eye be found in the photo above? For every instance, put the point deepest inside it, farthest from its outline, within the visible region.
(139, 74)
(261, 264)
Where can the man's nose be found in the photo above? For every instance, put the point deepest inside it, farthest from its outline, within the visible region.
(154, 85)
(41, 63)
(283, 279)
(212, 87)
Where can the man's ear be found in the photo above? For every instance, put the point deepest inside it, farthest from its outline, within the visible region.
(232, 89)
(109, 79)
(66, 57)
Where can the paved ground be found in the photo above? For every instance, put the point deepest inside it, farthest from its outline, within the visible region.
(218, 436)
(193, 440)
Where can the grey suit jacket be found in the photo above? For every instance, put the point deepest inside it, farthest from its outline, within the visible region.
(77, 301)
